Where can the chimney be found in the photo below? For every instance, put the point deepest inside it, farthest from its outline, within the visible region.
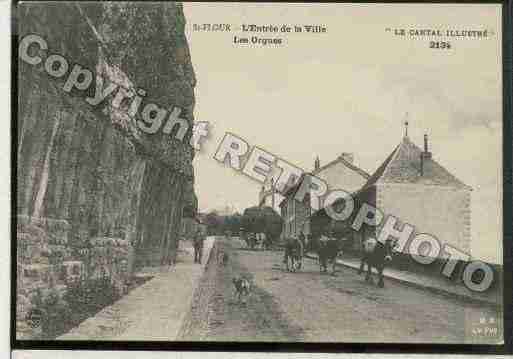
(272, 192)
(348, 157)
(317, 163)
(426, 155)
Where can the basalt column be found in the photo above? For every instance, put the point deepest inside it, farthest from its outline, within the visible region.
(93, 167)
(147, 43)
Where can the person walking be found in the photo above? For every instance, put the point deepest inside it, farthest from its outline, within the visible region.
(198, 240)
(322, 255)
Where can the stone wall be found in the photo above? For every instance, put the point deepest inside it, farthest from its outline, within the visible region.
(47, 263)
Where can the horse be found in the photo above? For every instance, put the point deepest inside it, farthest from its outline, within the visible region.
(376, 254)
(294, 252)
(327, 252)
(249, 240)
(263, 241)
(267, 241)
(259, 241)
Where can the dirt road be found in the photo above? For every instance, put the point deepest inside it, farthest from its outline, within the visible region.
(313, 307)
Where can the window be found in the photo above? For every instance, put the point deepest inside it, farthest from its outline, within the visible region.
(45, 277)
(75, 270)
(62, 274)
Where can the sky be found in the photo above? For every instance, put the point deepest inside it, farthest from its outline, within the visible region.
(350, 90)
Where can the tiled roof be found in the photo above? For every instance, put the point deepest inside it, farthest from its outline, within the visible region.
(403, 166)
(379, 172)
(348, 164)
(293, 189)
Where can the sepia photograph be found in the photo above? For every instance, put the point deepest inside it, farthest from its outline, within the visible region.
(258, 173)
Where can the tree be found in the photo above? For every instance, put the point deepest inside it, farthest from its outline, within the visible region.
(251, 221)
(262, 219)
(214, 223)
(232, 223)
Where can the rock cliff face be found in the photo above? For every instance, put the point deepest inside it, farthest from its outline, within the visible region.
(87, 165)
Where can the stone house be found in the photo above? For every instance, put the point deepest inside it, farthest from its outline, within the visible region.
(340, 173)
(269, 196)
(416, 189)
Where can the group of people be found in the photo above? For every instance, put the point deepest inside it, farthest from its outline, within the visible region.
(256, 240)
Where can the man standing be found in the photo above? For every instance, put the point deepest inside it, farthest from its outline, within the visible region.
(302, 238)
(322, 251)
(198, 240)
(310, 244)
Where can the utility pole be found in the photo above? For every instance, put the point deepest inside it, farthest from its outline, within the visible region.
(272, 192)
(406, 125)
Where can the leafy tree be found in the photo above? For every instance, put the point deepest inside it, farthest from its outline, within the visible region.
(214, 223)
(262, 219)
(53, 312)
(232, 223)
(251, 221)
(87, 297)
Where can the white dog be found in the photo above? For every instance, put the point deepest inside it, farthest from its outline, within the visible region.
(242, 287)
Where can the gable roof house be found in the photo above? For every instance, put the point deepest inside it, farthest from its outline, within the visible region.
(416, 189)
(340, 173)
(269, 196)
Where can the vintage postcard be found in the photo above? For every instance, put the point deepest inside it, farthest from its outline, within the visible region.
(272, 172)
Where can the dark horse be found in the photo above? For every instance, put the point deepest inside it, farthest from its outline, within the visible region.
(376, 254)
(294, 252)
(327, 252)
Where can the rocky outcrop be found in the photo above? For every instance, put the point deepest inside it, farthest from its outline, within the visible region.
(88, 165)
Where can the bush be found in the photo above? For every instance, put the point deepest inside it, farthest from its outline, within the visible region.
(88, 297)
(83, 299)
(53, 311)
